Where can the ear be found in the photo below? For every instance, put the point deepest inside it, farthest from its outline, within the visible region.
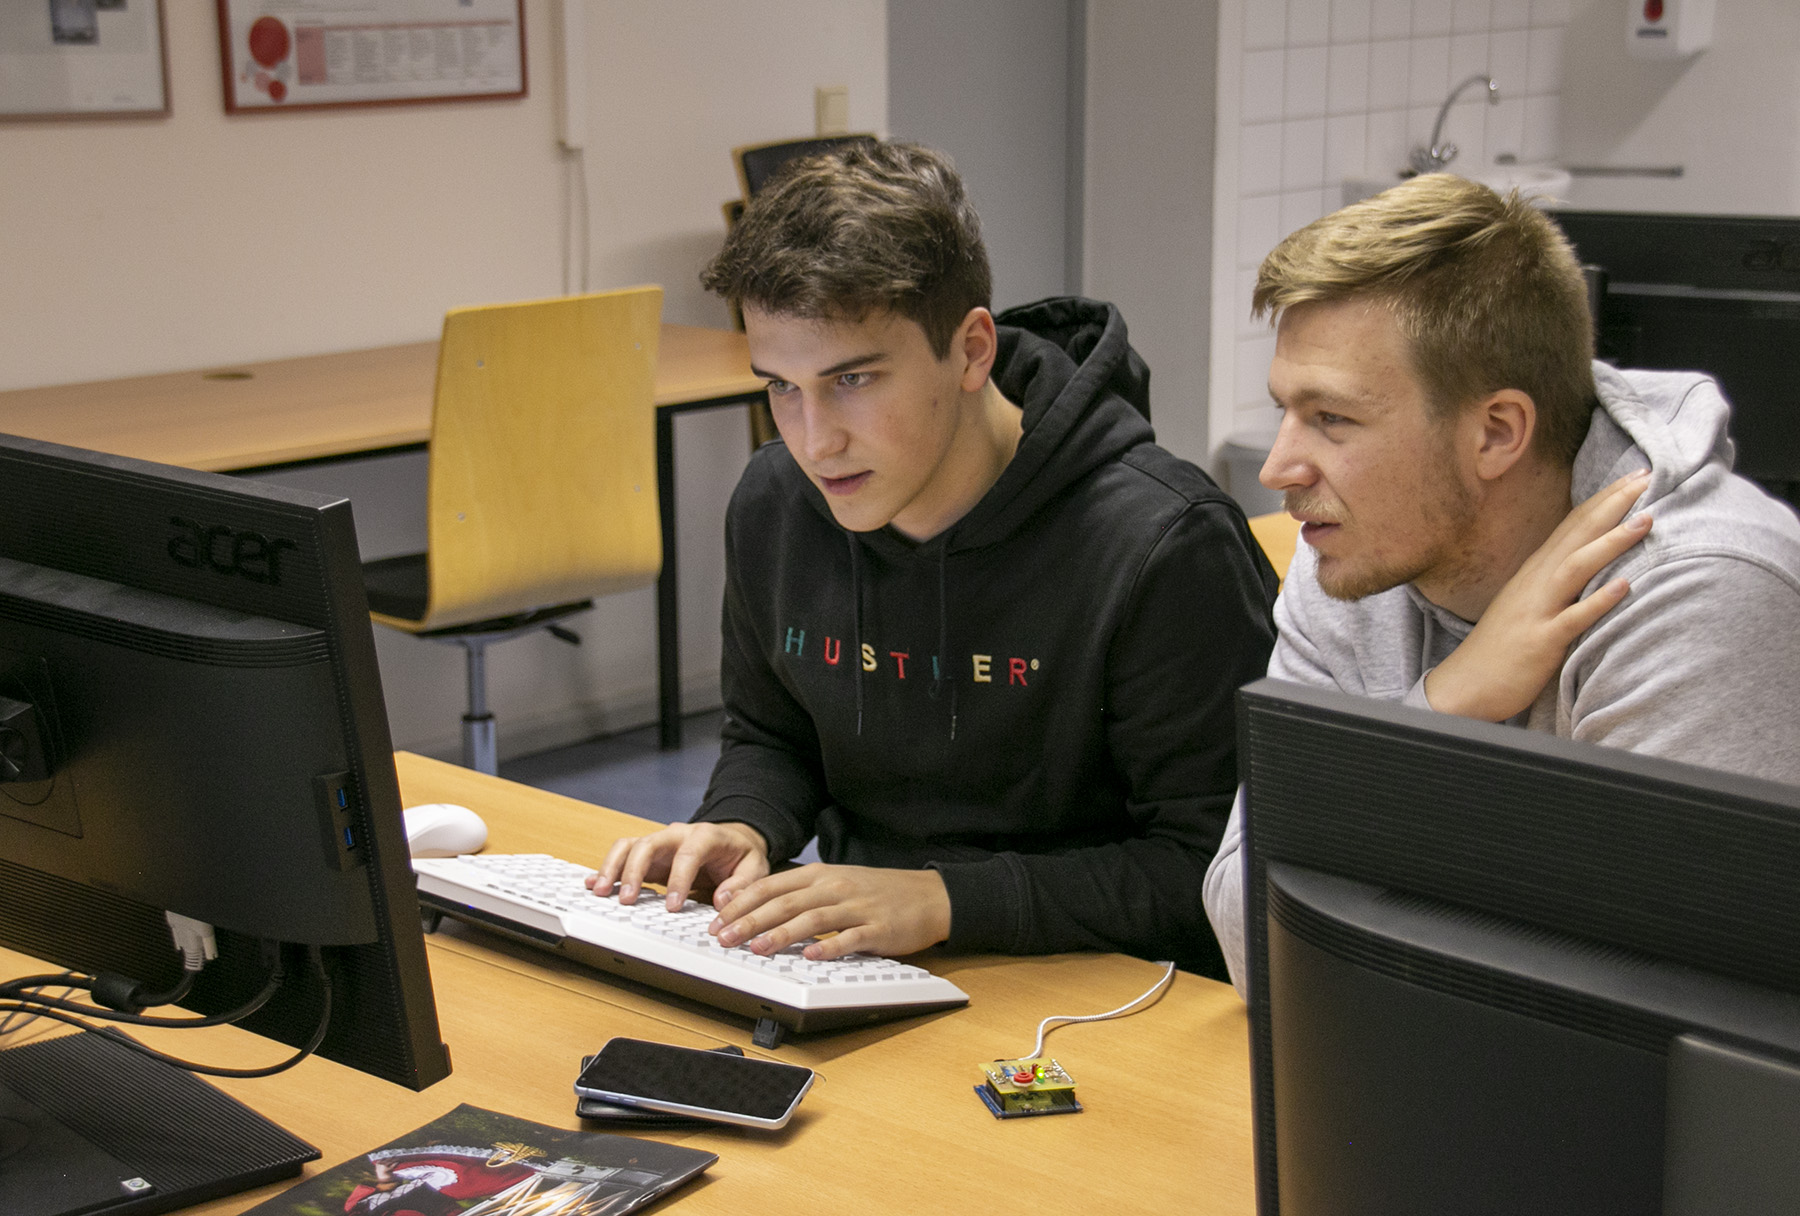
(1507, 420)
(977, 345)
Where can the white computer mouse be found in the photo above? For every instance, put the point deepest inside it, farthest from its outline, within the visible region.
(443, 829)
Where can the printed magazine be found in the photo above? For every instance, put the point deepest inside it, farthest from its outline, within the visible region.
(475, 1162)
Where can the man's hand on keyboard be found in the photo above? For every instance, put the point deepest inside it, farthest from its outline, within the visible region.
(873, 911)
(715, 857)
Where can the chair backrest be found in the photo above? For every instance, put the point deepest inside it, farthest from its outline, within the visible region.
(757, 163)
(1277, 533)
(543, 455)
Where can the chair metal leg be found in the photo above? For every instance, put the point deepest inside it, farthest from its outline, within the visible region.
(480, 750)
(480, 747)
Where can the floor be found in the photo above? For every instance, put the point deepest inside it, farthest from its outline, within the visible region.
(628, 772)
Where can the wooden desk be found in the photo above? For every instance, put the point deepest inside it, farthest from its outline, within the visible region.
(292, 411)
(893, 1123)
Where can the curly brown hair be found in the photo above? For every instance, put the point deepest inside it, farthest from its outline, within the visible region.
(883, 227)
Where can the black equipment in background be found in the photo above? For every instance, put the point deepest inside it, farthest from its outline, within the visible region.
(1712, 293)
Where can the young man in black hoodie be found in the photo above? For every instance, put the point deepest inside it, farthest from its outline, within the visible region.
(982, 635)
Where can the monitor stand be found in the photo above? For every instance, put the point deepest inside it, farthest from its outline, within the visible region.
(90, 1127)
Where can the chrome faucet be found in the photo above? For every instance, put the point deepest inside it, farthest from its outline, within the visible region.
(1437, 156)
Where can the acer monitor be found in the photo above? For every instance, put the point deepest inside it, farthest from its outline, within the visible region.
(1493, 971)
(191, 722)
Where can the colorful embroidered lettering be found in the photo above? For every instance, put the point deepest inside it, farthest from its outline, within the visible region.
(1018, 670)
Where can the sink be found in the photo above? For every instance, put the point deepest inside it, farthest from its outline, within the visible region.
(1547, 182)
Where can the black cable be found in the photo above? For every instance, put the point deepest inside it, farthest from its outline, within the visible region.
(269, 988)
(182, 987)
(208, 1070)
(69, 982)
(125, 1040)
(68, 979)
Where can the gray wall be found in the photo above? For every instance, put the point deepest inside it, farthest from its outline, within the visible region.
(988, 81)
(1085, 132)
(1151, 114)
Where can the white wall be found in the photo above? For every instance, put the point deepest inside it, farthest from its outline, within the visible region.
(144, 246)
(674, 86)
(159, 244)
(1315, 92)
(1148, 172)
(1729, 116)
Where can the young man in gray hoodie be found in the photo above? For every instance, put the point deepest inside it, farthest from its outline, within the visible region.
(1496, 526)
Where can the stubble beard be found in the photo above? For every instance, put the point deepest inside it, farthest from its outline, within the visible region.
(1448, 517)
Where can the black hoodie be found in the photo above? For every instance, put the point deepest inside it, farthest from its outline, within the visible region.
(1038, 702)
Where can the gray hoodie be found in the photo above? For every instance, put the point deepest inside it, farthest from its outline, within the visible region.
(1700, 663)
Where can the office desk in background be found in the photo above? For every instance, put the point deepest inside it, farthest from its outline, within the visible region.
(893, 1125)
(261, 416)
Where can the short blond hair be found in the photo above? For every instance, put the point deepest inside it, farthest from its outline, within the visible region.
(1486, 289)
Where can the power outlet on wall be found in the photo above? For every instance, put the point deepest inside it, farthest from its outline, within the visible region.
(831, 109)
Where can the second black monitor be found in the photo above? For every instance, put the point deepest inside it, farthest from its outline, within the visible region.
(1496, 971)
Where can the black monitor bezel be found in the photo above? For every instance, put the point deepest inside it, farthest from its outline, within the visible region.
(384, 1015)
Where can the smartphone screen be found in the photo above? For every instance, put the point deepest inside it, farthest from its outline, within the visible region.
(738, 1089)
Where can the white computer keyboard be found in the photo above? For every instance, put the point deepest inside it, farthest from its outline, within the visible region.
(545, 900)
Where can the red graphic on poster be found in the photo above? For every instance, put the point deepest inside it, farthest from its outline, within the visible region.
(268, 41)
(268, 70)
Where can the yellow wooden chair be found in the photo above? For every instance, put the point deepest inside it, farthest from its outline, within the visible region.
(1277, 533)
(542, 491)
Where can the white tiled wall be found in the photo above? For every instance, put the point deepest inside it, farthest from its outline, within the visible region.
(1342, 89)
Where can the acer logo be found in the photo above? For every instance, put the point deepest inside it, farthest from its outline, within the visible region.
(1773, 255)
(246, 554)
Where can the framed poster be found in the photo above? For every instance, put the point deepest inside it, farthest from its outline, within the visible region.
(308, 54)
(82, 59)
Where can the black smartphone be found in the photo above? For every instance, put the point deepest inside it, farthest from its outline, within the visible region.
(700, 1084)
(614, 1115)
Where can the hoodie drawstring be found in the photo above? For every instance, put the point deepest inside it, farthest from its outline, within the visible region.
(942, 658)
(940, 662)
(856, 605)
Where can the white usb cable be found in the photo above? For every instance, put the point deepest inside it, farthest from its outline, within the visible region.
(1130, 1006)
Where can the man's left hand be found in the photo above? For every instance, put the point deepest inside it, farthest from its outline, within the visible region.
(874, 911)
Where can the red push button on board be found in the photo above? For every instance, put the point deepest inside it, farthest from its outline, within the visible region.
(1653, 10)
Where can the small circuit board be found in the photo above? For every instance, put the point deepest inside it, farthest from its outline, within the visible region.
(1013, 1089)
